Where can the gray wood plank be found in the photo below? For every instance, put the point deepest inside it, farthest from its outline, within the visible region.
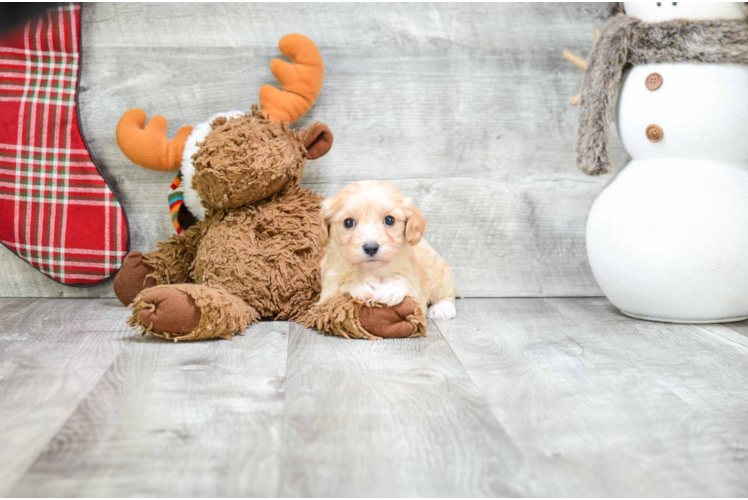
(732, 332)
(603, 405)
(389, 418)
(52, 353)
(740, 328)
(192, 419)
(529, 397)
(462, 106)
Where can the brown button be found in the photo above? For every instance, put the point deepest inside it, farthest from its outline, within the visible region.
(653, 81)
(654, 133)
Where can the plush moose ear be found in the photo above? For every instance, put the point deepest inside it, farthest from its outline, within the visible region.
(318, 141)
(415, 224)
(324, 223)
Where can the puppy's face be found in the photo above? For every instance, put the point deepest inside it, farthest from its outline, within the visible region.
(369, 222)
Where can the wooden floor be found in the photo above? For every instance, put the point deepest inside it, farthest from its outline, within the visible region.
(521, 397)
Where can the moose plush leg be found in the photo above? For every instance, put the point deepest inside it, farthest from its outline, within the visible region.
(172, 261)
(190, 312)
(169, 264)
(402, 320)
(351, 318)
(132, 278)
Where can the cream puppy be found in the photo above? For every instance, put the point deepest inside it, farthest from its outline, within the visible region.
(374, 250)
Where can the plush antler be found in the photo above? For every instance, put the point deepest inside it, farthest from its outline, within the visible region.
(150, 147)
(300, 79)
(580, 62)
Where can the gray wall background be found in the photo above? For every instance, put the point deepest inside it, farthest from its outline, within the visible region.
(464, 107)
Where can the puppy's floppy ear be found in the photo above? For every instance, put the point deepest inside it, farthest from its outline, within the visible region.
(325, 214)
(318, 141)
(415, 224)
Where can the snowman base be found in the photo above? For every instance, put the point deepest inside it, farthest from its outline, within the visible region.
(692, 322)
(667, 240)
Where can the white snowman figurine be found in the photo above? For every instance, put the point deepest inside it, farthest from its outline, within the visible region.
(667, 239)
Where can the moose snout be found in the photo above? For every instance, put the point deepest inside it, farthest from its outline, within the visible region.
(370, 248)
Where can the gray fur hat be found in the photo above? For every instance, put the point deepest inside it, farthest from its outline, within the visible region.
(617, 8)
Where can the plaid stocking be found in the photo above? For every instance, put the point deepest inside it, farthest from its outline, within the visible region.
(56, 210)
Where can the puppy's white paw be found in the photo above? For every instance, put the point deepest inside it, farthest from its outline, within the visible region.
(391, 293)
(362, 292)
(444, 309)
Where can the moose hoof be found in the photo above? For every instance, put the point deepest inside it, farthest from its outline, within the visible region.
(173, 311)
(388, 322)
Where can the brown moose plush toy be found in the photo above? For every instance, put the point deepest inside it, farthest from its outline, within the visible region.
(254, 251)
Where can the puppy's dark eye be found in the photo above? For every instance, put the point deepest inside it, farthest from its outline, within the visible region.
(675, 3)
(659, 4)
(349, 223)
(389, 220)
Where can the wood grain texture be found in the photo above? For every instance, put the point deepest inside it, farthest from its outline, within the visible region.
(521, 397)
(600, 404)
(52, 354)
(737, 332)
(464, 107)
(390, 418)
(192, 419)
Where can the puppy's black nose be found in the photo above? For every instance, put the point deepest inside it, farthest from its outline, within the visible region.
(370, 248)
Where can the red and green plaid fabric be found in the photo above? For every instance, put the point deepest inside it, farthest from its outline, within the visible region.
(56, 211)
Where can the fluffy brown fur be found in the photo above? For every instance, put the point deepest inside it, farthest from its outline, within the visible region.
(247, 159)
(222, 315)
(267, 253)
(626, 41)
(256, 254)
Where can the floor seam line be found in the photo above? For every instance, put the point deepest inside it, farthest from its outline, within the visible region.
(65, 422)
